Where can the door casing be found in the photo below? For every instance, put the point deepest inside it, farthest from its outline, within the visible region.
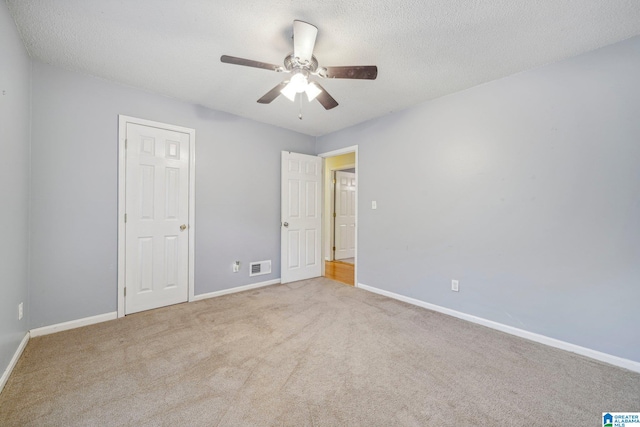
(350, 149)
(122, 133)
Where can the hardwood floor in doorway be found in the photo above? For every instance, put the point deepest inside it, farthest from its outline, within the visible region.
(340, 271)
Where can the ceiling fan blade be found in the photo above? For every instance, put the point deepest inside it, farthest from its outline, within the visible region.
(249, 63)
(304, 39)
(268, 97)
(369, 72)
(325, 99)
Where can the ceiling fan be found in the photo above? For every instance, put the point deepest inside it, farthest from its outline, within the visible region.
(301, 64)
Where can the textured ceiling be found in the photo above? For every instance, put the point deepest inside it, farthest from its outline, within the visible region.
(423, 48)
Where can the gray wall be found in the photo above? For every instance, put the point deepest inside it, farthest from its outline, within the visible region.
(74, 191)
(526, 189)
(15, 70)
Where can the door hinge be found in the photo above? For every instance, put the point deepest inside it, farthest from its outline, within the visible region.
(334, 181)
(125, 218)
(125, 143)
(125, 291)
(334, 248)
(334, 214)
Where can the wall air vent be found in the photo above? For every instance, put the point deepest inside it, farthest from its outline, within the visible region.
(259, 267)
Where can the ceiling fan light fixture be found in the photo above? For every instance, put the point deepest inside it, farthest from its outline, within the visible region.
(297, 84)
(289, 91)
(312, 91)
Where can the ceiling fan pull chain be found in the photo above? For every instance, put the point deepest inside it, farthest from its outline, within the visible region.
(300, 115)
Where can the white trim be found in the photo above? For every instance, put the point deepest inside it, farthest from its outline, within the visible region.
(192, 214)
(345, 150)
(73, 324)
(235, 290)
(340, 151)
(542, 339)
(13, 362)
(122, 132)
(122, 174)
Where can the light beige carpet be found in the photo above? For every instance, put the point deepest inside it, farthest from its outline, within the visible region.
(311, 353)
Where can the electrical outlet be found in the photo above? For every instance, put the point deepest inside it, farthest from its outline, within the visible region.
(236, 266)
(454, 286)
(20, 311)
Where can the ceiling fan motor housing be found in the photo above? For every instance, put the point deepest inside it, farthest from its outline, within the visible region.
(292, 63)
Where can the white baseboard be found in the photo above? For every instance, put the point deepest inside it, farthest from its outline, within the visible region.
(14, 360)
(236, 289)
(593, 354)
(72, 324)
(59, 327)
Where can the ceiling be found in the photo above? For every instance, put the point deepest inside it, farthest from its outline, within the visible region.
(423, 48)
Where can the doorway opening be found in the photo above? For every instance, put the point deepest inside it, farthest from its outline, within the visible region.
(340, 215)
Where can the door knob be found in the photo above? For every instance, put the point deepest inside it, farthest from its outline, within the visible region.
(286, 224)
(183, 227)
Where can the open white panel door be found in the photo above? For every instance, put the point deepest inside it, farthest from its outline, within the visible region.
(301, 226)
(345, 215)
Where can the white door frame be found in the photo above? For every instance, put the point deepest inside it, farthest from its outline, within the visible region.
(345, 150)
(122, 161)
